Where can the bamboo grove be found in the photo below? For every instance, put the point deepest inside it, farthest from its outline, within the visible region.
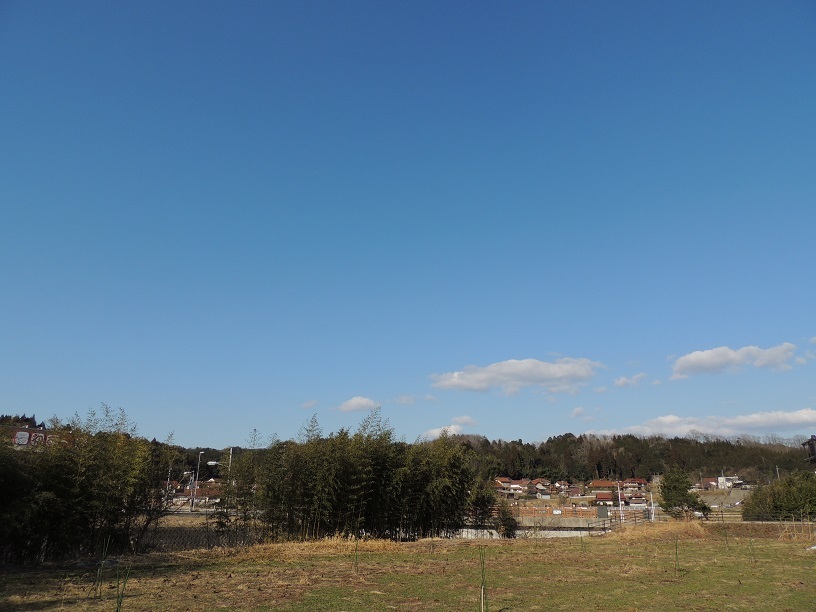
(361, 484)
(102, 490)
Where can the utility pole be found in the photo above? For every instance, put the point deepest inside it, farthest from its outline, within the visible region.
(195, 488)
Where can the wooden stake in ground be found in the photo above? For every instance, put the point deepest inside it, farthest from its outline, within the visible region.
(483, 586)
(676, 555)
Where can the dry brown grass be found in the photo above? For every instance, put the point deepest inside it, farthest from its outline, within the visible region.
(684, 530)
(183, 519)
(636, 566)
(288, 552)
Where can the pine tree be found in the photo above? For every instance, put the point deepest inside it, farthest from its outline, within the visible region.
(678, 500)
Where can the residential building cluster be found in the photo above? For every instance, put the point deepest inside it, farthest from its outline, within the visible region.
(630, 492)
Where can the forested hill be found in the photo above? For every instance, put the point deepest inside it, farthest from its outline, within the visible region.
(584, 457)
(20, 421)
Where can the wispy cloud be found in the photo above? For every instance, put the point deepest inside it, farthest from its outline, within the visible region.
(407, 399)
(357, 403)
(756, 422)
(464, 420)
(309, 404)
(630, 382)
(563, 375)
(725, 358)
(579, 412)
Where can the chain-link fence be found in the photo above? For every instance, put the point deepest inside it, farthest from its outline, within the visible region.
(205, 533)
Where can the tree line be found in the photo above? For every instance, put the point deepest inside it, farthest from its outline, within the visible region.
(586, 457)
(791, 498)
(100, 488)
(104, 487)
(364, 484)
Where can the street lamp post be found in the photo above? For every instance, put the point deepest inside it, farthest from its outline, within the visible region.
(229, 465)
(229, 469)
(195, 488)
(168, 496)
(190, 482)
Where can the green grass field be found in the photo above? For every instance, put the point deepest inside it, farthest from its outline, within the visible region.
(661, 567)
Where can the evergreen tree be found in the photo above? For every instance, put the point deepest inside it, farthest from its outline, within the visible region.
(505, 523)
(677, 498)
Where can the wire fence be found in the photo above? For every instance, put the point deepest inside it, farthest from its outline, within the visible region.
(204, 533)
(532, 523)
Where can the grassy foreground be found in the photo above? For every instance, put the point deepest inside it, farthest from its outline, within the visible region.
(666, 567)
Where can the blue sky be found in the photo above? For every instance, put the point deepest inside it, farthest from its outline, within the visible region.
(510, 219)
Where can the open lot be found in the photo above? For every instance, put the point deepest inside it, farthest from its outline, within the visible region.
(665, 566)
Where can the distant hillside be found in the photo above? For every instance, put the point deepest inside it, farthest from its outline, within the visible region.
(20, 421)
(585, 457)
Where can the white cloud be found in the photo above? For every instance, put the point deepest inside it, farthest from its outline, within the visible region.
(630, 382)
(404, 399)
(357, 403)
(565, 374)
(309, 404)
(757, 422)
(723, 358)
(813, 340)
(433, 434)
(457, 427)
